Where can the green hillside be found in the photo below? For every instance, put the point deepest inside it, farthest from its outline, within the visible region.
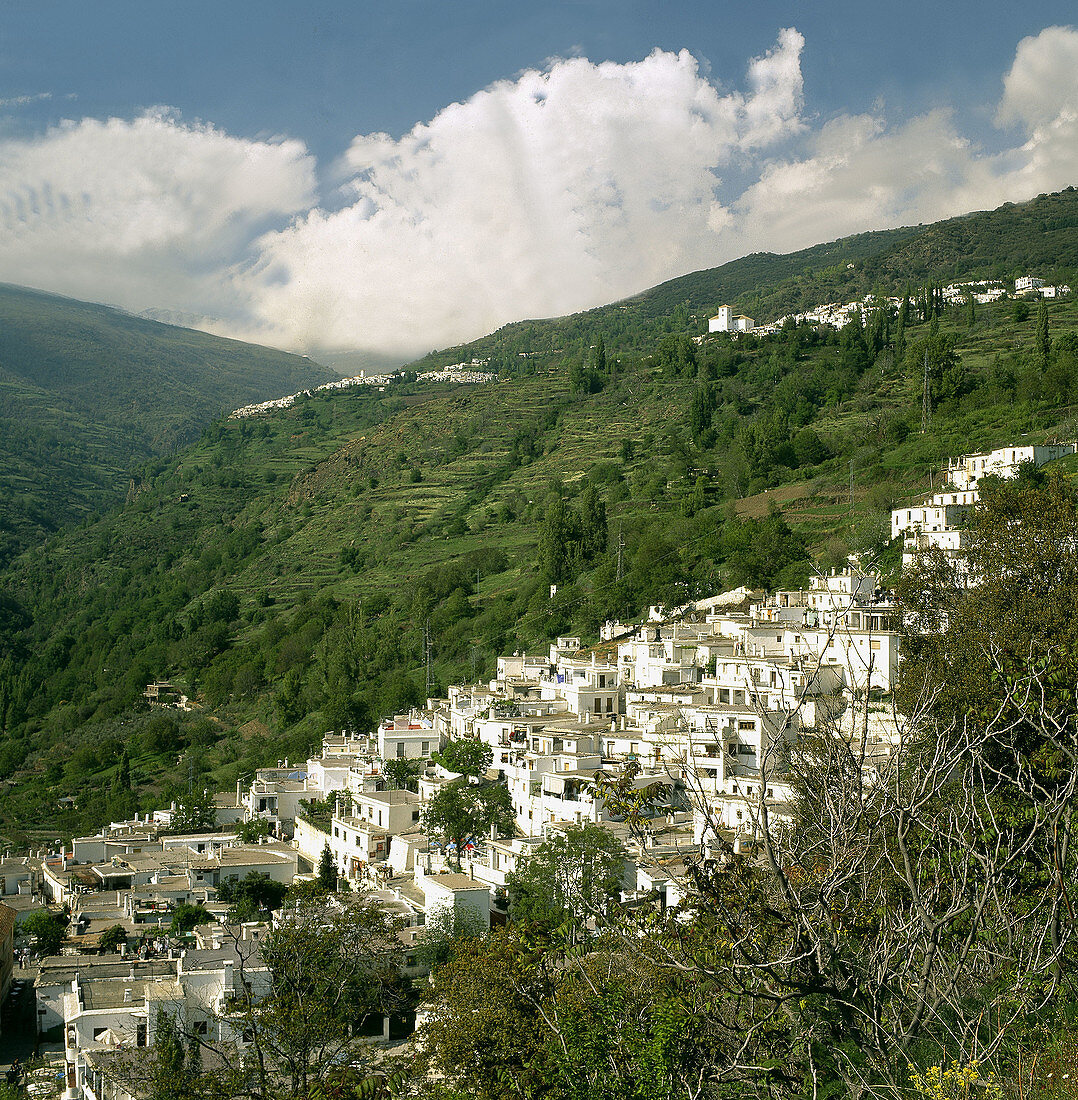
(295, 571)
(88, 394)
(1038, 237)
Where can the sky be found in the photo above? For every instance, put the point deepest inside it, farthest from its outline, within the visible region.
(397, 176)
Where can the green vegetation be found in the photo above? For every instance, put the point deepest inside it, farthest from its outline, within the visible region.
(332, 971)
(461, 811)
(89, 394)
(573, 880)
(47, 931)
(291, 574)
(252, 898)
(914, 937)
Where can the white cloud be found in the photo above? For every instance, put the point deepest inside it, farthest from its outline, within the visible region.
(555, 191)
(24, 100)
(547, 194)
(861, 174)
(136, 211)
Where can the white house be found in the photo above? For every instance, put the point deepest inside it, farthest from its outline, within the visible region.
(727, 321)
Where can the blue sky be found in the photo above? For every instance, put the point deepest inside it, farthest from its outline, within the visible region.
(401, 175)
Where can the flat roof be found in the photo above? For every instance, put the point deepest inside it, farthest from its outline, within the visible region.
(455, 882)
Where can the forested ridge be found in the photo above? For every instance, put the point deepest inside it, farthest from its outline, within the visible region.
(286, 569)
(88, 394)
(323, 565)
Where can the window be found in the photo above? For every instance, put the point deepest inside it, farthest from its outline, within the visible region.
(202, 1027)
(425, 748)
(415, 815)
(400, 750)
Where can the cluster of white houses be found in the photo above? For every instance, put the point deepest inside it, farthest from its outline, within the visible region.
(937, 521)
(839, 314)
(699, 705)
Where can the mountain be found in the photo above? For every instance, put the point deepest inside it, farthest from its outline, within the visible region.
(343, 558)
(88, 393)
(1040, 236)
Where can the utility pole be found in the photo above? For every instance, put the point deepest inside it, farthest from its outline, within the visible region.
(926, 401)
(426, 651)
(621, 546)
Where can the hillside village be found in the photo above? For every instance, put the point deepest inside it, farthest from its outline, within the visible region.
(839, 314)
(691, 713)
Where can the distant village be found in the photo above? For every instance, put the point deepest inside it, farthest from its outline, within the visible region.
(696, 708)
(838, 315)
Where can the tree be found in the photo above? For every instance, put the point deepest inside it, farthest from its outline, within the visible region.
(187, 917)
(327, 870)
(1043, 338)
(947, 379)
(194, 813)
(461, 810)
(112, 937)
(304, 998)
(465, 756)
(574, 878)
(556, 534)
(402, 774)
(593, 526)
(47, 930)
(254, 897)
(253, 831)
(334, 964)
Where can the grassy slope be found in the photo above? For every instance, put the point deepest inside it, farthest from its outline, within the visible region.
(88, 393)
(424, 476)
(1035, 237)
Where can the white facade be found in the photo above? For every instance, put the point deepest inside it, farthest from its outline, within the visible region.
(938, 521)
(725, 320)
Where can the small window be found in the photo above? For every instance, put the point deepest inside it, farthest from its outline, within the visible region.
(202, 1027)
(415, 815)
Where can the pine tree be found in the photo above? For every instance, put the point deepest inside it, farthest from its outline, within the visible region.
(327, 870)
(1043, 339)
(598, 358)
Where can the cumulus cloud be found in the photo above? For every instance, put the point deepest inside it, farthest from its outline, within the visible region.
(862, 174)
(141, 212)
(545, 194)
(542, 195)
